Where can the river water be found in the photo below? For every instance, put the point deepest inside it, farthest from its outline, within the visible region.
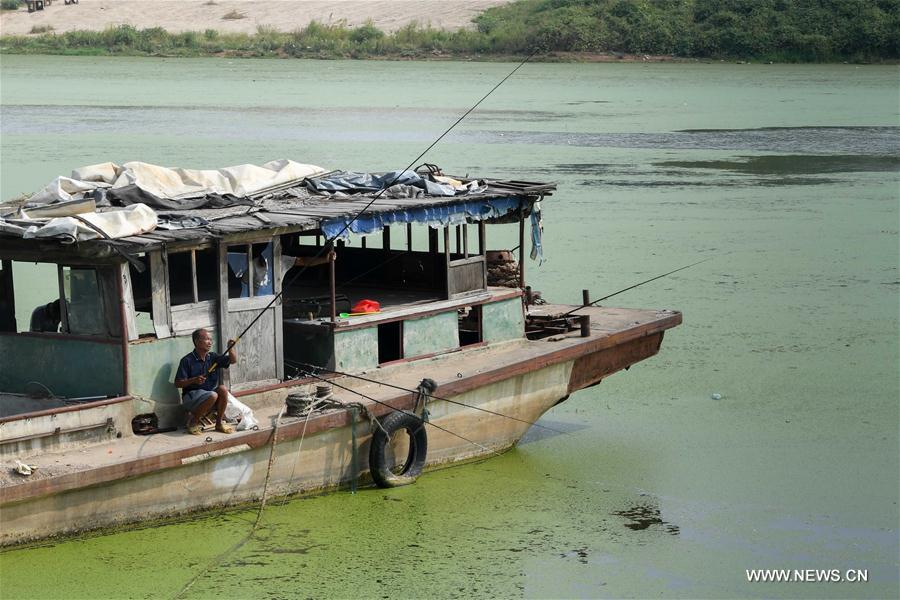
(788, 176)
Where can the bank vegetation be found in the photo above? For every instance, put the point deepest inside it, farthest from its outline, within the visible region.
(759, 30)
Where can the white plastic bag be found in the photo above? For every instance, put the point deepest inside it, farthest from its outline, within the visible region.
(235, 408)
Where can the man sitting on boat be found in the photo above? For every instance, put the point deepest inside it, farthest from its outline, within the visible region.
(200, 389)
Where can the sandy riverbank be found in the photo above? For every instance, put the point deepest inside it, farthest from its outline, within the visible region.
(282, 15)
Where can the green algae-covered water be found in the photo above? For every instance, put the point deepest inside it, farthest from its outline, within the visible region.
(786, 175)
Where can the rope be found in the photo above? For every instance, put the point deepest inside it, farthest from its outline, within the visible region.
(432, 396)
(369, 398)
(265, 493)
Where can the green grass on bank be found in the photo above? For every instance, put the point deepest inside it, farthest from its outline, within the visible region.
(767, 30)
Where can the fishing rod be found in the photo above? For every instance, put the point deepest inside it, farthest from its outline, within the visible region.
(347, 225)
(432, 396)
(631, 287)
(406, 412)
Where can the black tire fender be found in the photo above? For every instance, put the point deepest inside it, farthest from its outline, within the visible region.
(418, 449)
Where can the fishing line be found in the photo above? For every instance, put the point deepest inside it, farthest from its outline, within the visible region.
(631, 287)
(327, 245)
(347, 225)
(432, 396)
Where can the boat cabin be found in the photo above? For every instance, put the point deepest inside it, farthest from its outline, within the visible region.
(126, 306)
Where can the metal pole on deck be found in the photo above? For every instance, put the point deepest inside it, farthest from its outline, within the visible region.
(333, 285)
(521, 247)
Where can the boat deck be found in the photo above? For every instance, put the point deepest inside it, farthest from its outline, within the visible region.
(455, 373)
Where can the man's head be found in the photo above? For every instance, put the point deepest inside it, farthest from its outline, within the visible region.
(202, 340)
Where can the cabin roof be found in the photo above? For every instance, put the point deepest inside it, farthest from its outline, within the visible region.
(286, 210)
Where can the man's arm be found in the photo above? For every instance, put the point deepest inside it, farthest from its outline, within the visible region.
(183, 383)
(312, 261)
(181, 377)
(232, 353)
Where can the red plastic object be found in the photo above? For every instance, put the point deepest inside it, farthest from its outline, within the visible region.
(366, 306)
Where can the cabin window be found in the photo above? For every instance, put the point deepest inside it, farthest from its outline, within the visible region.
(52, 298)
(83, 302)
(250, 263)
(142, 295)
(470, 325)
(30, 290)
(193, 276)
(390, 342)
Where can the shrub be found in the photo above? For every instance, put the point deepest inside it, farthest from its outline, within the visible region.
(41, 29)
(366, 32)
(10, 4)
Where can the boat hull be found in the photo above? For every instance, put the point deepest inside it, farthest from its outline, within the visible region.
(318, 454)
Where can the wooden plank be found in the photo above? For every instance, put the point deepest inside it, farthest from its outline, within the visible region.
(422, 310)
(222, 304)
(194, 276)
(521, 248)
(188, 317)
(279, 328)
(128, 298)
(447, 284)
(251, 267)
(63, 305)
(482, 241)
(255, 304)
(467, 261)
(465, 277)
(256, 349)
(159, 294)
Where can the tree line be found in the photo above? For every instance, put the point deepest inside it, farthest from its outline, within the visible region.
(764, 30)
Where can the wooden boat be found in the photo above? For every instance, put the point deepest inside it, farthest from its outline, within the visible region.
(499, 358)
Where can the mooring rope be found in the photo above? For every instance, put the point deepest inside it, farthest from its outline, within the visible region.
(430, 395)
(319, 404)
(352, 391)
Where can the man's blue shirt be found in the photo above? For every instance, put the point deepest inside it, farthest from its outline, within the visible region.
(191, 366)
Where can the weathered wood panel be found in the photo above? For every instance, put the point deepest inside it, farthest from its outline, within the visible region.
(128, 299)
(430, 335)
(159, 294)
(188, 317)
(256, 349)
(278, 315)
(465, 275)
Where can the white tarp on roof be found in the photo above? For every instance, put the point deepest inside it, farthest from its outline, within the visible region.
(133, 220)
(240, 180)
(165, 182)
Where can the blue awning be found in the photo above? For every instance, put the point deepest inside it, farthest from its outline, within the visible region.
(434, 216)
